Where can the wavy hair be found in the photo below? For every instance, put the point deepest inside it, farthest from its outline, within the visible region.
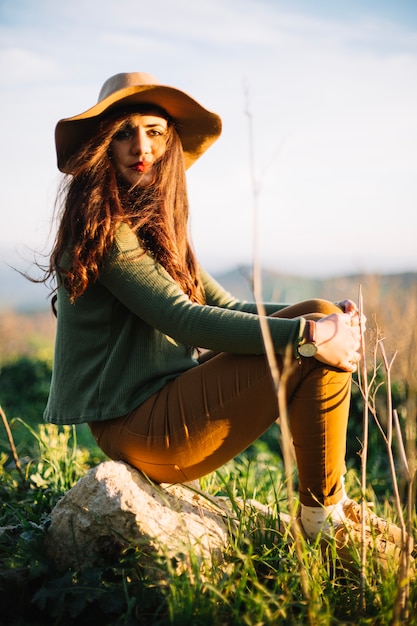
(93, 202)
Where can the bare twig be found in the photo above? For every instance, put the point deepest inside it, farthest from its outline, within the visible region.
(401, 604)
(11, 442)
(364, 455)
(279, 385)
(400, 607)
(401, 448)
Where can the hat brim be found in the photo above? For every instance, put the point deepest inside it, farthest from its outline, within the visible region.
(197, 127)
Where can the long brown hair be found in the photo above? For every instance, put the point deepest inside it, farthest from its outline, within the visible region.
(92, 203)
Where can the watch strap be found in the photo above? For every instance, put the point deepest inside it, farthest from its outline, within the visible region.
(310, 332)
(307, 344)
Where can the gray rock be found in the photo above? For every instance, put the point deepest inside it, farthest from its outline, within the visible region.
(114, 506)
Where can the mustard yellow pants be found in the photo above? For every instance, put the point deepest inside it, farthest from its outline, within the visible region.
(209, 414)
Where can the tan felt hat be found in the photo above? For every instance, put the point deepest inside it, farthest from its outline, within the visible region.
(196, 127)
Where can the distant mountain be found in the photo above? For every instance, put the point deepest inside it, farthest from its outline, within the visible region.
(18, 293)
(288, 289)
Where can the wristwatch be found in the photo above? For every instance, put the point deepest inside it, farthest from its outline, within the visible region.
(307, 346)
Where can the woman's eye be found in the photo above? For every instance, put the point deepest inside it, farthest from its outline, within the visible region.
(123, 133)
(155, 132)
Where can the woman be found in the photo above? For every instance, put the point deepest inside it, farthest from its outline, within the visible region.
(133, 307)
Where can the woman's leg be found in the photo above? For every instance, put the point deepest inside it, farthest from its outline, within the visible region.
(208, 415)
(318, 411)
(197, 422)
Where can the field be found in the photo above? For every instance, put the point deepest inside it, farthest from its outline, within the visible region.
(266, 579)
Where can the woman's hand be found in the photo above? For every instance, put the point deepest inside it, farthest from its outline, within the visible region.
(348, 306)
(338, 339)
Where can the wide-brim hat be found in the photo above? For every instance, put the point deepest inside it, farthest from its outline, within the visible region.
(197, 127)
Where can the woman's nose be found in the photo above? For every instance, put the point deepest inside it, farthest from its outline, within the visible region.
(141, 143)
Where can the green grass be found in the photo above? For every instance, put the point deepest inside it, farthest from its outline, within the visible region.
(258, 584)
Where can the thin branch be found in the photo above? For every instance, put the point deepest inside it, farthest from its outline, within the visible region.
(11, 442)
(279, 386)
(400, 607)
(388, 440)
(364, 456)
(401, 448)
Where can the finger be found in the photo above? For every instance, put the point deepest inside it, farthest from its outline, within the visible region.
(350, 306)
(349, 367)
(355, 360)
(347, 318)
(355, 334)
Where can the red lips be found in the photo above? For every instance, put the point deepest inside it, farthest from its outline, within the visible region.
(142, 166)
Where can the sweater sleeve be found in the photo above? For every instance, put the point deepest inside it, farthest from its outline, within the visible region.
(145, 288)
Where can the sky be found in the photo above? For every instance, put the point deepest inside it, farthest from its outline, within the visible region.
(315, 173)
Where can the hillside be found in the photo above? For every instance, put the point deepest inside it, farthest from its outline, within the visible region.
(278, 287)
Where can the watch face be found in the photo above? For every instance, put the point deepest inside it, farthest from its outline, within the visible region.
(307, 349)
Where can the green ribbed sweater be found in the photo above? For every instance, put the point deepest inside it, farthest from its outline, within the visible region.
(132, 331)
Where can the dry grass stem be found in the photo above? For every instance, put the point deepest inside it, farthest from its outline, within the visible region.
(401, 612)
(11, 442)
(363, 378)
(402, 599)
(279, 385)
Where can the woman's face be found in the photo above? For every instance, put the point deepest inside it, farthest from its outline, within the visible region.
(137, 145)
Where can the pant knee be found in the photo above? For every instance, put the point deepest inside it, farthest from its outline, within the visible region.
(320, 308)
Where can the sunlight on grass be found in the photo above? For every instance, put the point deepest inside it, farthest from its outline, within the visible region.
(257, 584)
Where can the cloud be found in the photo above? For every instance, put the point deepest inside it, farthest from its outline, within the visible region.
(332, 99)
(20, 66)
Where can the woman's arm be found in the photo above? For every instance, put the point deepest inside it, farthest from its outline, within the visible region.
(146, 289)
